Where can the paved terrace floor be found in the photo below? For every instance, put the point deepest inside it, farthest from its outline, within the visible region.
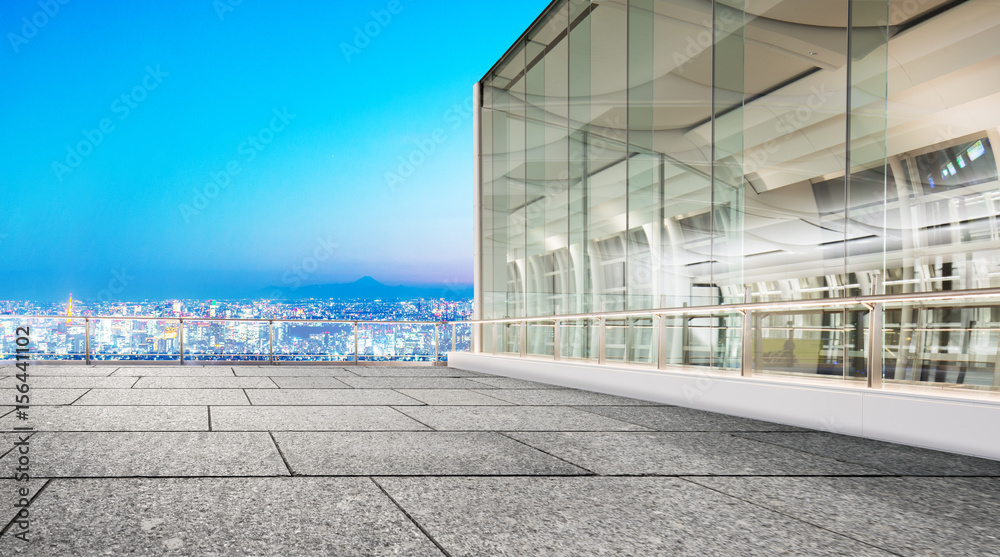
(431, 461)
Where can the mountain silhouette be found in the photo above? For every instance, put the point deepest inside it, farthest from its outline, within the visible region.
(367, 288)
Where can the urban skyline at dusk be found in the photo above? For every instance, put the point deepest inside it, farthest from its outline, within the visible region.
(215, 150)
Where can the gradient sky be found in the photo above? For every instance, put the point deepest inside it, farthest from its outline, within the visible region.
(180, 87)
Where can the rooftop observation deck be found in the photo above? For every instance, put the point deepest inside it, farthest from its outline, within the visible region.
(328, 460)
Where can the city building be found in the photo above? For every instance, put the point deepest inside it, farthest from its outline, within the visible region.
(780, 209)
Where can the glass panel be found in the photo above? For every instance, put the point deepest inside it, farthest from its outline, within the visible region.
(578, 339)
(120, 339)
(510, 338)
(226, 341)
(644, 194)
(541, 338)
(462, 337)
(51, 339)
(409, 342)
(793, 122)
(642, 340)
(728, 100)
(616, 340)
(950, 345)
(679, 232)
(728, 336)
(314, 342)
(607, 124)
(815, 342)
(578, 257)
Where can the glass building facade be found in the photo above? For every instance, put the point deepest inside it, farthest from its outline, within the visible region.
(635, 155)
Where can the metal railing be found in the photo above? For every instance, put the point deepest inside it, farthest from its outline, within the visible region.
(207, 339)
(949, 338)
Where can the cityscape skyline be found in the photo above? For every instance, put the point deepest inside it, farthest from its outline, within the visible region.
(216, 150)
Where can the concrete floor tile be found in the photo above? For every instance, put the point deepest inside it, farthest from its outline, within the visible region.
(309, 383)
(681, 454)
(677, 418)
(890, 457)
(43, 370)
(221, 516)
(513, 418)
(133, 454)
(163, 397)
(561, 397)
(175, 371)
(68, 382)
(402, 371)
(411, 382)
(10, 495)
(292, 371)
(112, 418)
(55, 397)
(602, 516)
(329, 397)
(415, 453)
(497, 382)
(453, 397)
(909, 516)
(311, 418)
(205, 383)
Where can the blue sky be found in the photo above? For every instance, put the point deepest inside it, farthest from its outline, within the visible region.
(212, 148)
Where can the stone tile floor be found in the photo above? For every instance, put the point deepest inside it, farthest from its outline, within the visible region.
(216, 460)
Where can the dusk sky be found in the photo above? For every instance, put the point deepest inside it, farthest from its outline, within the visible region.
(214, 148)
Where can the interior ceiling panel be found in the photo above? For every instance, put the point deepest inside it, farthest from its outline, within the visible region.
(833, 13)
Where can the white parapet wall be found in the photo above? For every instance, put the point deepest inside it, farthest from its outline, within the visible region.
(963, 422)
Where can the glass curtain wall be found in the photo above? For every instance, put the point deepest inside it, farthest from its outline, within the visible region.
(643, 154)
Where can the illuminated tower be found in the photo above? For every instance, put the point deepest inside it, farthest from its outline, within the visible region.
(69, 311)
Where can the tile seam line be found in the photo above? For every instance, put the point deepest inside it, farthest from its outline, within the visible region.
(416, 400)
(479, 391)
(299, 476)
(277, 447)
(410, 518)
(543, 451)
(738, 434)
(30, 502)
(795, 518)
(414, 419)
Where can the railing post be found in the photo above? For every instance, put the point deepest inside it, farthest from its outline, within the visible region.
(875, 338)
(661, 341)
(602, 337)
(437, 345)
(270, 337)
(86, 323)
(454, 337)
(496, 335)
(522, 340)
(180, 337)
(556, 341)
(355, 343)
(746, 356)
